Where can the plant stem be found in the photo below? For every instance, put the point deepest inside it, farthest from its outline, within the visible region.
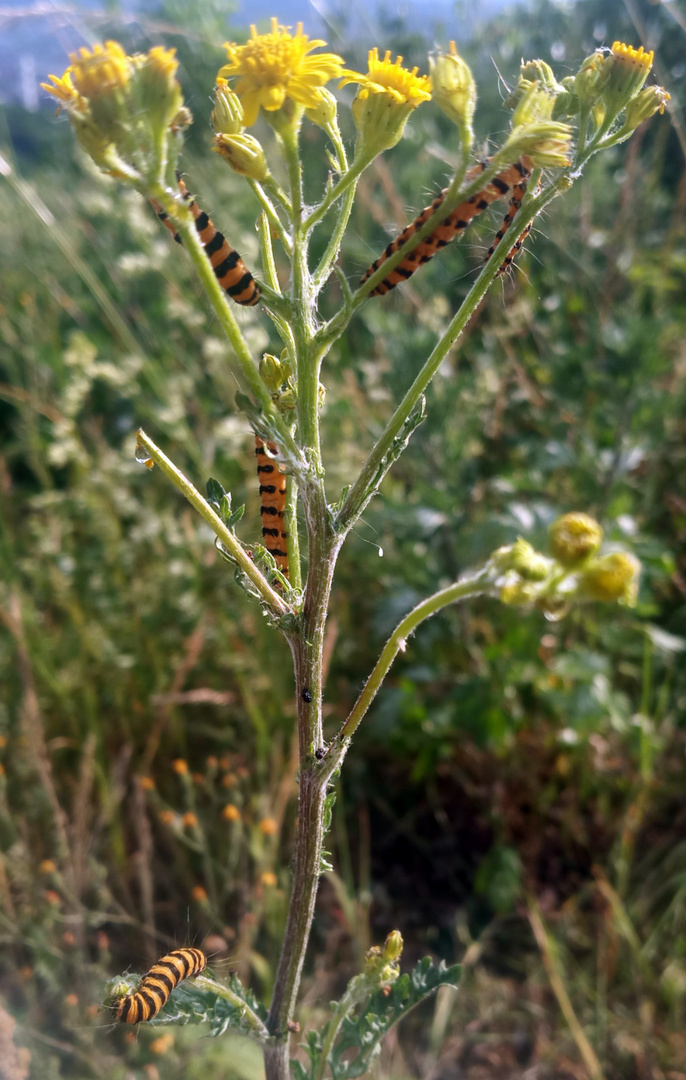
(468, 586)
(227, 537)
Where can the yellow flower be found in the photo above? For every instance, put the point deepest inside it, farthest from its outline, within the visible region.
(403, 86)
(387, 96)
(102, 71)
(63, 89)
(627, 70)
(273, 67)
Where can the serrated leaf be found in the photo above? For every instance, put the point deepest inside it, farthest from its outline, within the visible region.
(215, 492)
(363, 1029)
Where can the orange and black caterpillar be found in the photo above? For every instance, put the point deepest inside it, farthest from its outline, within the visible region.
(230, 270)
(157, 984)
(515, 202)
(450, 227)
(273, 503)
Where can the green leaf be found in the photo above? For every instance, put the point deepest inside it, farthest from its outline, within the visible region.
(215, 492)
(192, 1004)
(364, 1027)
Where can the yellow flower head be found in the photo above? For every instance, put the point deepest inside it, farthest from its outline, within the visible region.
(273, 67)
(385, 77)
(63, 89)
(627, 70)
(102, 71)
(631, 64)
(387, 96)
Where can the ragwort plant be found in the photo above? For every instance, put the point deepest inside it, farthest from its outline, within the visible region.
(128, 114)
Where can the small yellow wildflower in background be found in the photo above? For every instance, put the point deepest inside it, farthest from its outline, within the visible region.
(275, 67)
(190, 821)
(147, 783)
(180, 766)
(231, 813)
(47, 867)
(269, 827)
(199, 894)
(269, 879)
(166, 817)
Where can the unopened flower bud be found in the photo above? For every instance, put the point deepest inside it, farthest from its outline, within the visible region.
(155, 88)
(325, 111)
(612, 577)
(453, 88)
(393, 946)
(591, 79)
(373, 961)
(227, 114)
(573, 537)
(535, 105)
(516, 594)
(244, 154)
(540, 72)
(528, 563)
(647, 102)
(271, 373)
(547, 144)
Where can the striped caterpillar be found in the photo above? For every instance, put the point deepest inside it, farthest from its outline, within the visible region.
(157, 984)
(273, 502)
(230, 270)
(450, 227)
(515, 202)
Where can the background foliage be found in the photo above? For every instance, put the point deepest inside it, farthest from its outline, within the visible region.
(515, 798)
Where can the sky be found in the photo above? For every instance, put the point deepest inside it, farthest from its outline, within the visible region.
(37, 37)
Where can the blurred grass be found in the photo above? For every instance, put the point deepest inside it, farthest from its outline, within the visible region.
(502, 753)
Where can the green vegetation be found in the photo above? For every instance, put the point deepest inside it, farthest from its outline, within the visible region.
(514, 799)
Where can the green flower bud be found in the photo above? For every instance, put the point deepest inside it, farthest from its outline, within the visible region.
(546, 143)
(612, 577)
(373, 961)
(534, 106)
(155, 88)
(227, 114)
(573, 537)
(454, 89)
(591, 79)
(244, 154)
(528, 563)
(647, 102)
(393, 946)
(271, 373)
(517, 594)
(540, 72)
(325, 112)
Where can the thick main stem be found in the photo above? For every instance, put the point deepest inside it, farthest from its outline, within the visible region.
(308, 654)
